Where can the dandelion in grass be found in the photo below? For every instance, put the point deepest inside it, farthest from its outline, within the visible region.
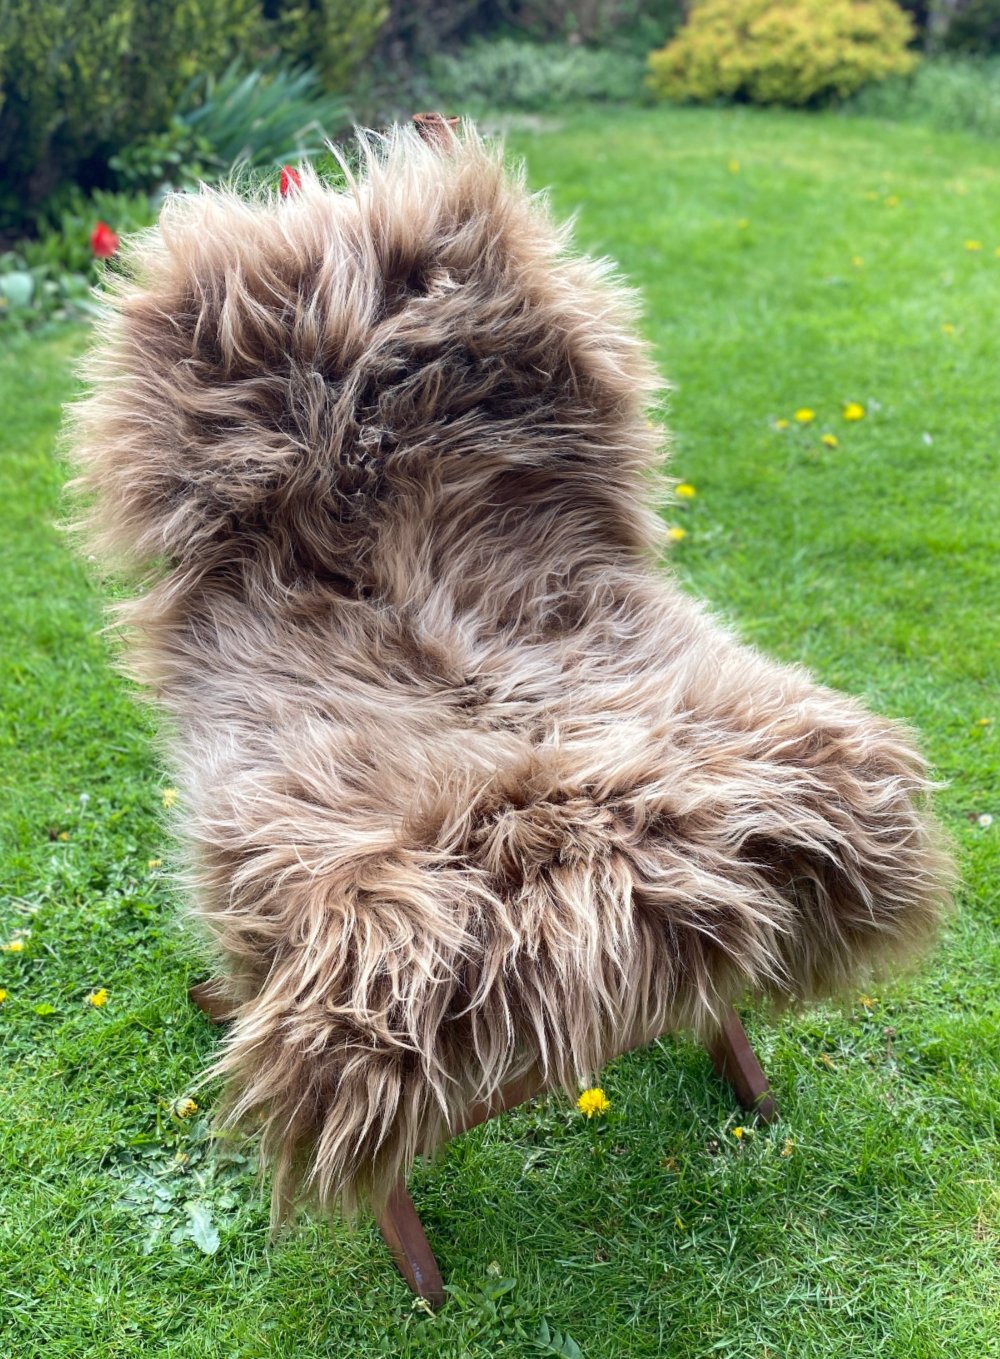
(155, 863)
(829, 440)
(985, 820)
(892, 201)
(739, 1133)
(853, 410)
(782, 424)
(593, 1102)
(734, 167)
(169, 796)
(788, 1148)
(98, 998)
(677, 534)
(948, 328)
(685, 490)
(805, 416)
(973, 245)
(12, 946)
(857, 261)
(867, 1002)
(184, 1108)
(3, 995)
(983, 721)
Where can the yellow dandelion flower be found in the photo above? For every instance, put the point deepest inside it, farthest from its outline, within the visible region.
(169, 796)
(743, 223)
(738, 1133)
(13, 946)
(98, 998)
(685, 490)
(677, 534)
(64, 835)
(782, 424)
(983, 721)
(868, 1002)
(830, 440)
(155, 863)
(853, 411)
(997, 252)
(593, 1102)
(734, 166)
(805, 416)
(857, 261)
(973, 245)
(948, 328)
(788, 1148)
(184, 1108)
(892, 201)
(3, 995)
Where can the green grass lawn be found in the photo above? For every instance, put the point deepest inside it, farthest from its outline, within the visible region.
(867, 1221)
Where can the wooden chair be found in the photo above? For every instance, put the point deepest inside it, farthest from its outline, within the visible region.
(476, 798)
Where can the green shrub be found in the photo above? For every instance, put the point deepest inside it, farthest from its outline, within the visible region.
(595, 23)
(508, 74)
(334, 36)
(969, 26)
(174, 158)
(945, 93)
(80, 79)
(52, 277)
(261, 117)
(782, 51)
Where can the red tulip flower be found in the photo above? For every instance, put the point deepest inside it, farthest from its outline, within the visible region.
(290, 179)
(103, 241)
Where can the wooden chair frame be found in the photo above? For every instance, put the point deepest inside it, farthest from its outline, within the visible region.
(731, 1053)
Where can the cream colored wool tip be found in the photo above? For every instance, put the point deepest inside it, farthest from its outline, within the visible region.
(471, 789)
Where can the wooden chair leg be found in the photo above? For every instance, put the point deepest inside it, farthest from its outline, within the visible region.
(403, 1233)
(736, 1062)
(210, 998)
(399, 1224)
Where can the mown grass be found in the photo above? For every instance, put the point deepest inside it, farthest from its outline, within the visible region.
(877, 1232)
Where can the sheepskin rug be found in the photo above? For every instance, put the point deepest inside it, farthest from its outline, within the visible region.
(472, 791)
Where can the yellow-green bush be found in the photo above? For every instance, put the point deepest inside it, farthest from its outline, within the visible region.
(769, 52)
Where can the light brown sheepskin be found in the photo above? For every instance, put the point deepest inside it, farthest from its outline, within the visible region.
(472, 790)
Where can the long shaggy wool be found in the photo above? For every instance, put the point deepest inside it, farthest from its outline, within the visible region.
(473, 791)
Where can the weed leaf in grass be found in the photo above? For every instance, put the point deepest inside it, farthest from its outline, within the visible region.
(550, 1341)
(201, 1229)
